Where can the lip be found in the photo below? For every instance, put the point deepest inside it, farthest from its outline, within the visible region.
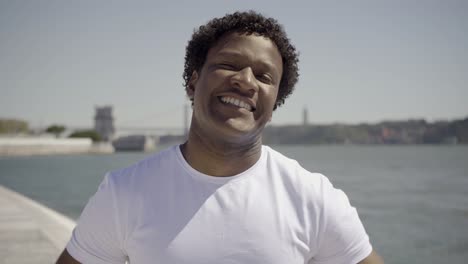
(240, 98)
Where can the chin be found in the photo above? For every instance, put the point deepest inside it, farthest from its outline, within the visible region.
(240, 131)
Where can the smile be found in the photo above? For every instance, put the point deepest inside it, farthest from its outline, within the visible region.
(236, 102)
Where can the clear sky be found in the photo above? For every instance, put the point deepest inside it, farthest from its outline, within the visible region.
(361, 61)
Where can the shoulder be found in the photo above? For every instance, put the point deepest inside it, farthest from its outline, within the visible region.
(336, 232)
(312, 189)
(143, 170)
(304, 191)
(136, 183)
(291, 172)
(130, 189)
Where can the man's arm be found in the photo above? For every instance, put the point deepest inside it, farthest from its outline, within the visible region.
(65, 258)
(373, 258)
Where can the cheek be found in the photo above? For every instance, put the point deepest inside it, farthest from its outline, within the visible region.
(201, 90)
(268, 98)
(271, 95)
(208, 83)
(204, 98)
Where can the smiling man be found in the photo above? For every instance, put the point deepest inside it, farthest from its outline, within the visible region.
(223, 197)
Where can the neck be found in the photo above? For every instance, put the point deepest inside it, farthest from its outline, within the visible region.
(220, 158)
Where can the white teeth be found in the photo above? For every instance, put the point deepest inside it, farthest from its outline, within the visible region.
(236, 102)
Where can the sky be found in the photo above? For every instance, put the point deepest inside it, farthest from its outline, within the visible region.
(360, 61)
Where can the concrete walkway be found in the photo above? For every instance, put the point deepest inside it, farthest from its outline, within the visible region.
(30, 232)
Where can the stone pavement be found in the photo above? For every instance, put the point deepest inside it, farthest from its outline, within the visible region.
(29, 231)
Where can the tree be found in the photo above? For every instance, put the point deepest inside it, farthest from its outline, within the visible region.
(92, 134)
(55, 129)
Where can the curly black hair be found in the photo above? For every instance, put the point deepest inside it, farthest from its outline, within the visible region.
(249, 22)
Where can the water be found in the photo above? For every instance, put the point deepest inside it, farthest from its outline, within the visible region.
(413, 200)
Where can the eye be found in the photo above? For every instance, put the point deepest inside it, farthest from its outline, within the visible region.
(227, 66)
(264, 78)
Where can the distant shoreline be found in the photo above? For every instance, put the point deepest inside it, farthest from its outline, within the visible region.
(33, 146)
(410, 132)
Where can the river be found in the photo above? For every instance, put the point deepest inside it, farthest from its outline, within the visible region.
(413, 200)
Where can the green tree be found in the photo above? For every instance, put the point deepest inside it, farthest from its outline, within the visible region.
(55, 129)
(92, 134)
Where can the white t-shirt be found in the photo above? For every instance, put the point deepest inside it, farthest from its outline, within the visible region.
(161, 210)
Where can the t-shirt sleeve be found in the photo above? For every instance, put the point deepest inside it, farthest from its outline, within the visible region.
(342, 237)
(97, 237)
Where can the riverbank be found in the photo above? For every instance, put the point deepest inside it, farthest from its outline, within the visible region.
(28, 146)
(29, 231)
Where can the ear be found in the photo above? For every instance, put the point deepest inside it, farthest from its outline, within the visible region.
(191, 85)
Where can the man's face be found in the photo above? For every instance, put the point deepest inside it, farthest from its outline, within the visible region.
(235, 91)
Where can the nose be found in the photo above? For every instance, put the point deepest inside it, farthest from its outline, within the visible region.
(245, 81)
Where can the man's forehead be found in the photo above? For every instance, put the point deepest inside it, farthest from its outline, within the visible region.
(234, 43)
(231, 36)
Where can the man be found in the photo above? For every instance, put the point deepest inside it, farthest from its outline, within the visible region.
(222, 197)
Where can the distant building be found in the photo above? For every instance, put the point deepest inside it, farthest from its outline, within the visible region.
(104, 123)
(134, 143)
